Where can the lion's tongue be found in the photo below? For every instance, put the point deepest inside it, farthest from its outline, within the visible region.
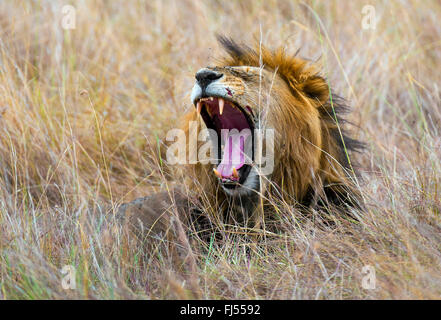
(234, 155)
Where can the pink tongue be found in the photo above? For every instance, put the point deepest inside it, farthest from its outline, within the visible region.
(233, 154)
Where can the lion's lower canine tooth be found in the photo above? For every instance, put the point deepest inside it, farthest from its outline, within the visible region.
(235, 174)
(221, 105)
(217, 173)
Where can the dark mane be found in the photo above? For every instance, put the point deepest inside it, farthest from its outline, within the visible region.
(305, 81)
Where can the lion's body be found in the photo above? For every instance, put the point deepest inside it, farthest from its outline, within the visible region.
(311, 150)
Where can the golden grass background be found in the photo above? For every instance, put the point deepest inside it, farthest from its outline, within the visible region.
(84, 111)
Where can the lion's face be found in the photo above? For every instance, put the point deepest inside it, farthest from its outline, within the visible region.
(269, 90)
(234, 101)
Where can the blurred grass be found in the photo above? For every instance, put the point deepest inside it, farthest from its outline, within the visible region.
(82, 116)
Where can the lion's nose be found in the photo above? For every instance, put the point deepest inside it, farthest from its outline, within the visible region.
(205, 76)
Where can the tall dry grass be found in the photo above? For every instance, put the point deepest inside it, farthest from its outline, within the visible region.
(83, 113)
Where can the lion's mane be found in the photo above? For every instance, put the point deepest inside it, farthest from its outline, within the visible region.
(313, 164)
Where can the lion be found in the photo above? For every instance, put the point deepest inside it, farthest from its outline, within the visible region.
(261, 90)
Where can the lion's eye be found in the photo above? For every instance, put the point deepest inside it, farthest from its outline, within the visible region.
(244, 72)
(247, 69)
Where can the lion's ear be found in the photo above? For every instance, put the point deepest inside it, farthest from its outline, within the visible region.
(316, 88)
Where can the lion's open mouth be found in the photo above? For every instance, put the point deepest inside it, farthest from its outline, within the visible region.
(234, 129)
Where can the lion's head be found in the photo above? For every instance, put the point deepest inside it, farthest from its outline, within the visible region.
(262, 89)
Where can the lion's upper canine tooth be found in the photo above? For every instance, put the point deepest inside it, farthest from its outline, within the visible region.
(221, 105)
(199, 106)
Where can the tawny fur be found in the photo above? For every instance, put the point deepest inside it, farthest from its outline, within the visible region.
(312, 166)
(311, 148)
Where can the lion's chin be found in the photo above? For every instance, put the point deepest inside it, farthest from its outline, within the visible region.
(249, 187)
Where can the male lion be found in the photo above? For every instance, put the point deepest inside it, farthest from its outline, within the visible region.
(260, 89)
